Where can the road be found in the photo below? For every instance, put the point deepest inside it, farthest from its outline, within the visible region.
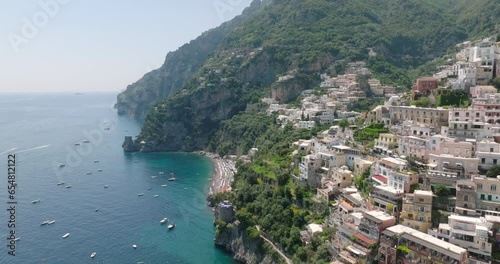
(288, 261)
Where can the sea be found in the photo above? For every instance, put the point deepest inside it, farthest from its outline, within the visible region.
(101, 210)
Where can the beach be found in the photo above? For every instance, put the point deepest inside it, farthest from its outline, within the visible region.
(223, 173)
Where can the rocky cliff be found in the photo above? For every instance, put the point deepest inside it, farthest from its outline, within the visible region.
(242, 248)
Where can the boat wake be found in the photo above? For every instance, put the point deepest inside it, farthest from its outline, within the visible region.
(7, 151)
(35, 148)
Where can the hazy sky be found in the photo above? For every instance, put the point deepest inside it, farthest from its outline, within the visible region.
(91, 45)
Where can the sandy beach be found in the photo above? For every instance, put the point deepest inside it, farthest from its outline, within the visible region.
(223, 173)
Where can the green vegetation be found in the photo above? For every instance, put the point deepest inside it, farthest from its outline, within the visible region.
(441, 190)
(370, 132)
(496, 82)
(363, 183)
(493, 172)
(454, 98)
(422, 102)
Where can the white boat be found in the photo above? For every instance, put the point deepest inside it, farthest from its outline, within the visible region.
(86, 141)
(171, 179)
(156, 196)
(68, 186)
(46, 222)
(17, 238)
(172, 225)
(153, 177)
(93, 254)
(161, 172)
(140, 194)
(60, 183)
(61, 165)
(97, 209)
(35, 201)
(88, 173)
(99, 170)
(106, 186)
(164, 220)
(65, 235)
(51, 222)
(163, 185)
(134, 246)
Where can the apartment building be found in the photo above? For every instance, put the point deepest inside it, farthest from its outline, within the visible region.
(424, 85)
(402, 244)
(432, 117)
(386, 143)
(450, 163)
(413, 146)
(488, 153)
(478, 196)
(490, 105)
(417, 208)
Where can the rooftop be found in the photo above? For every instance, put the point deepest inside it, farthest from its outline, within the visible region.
(380, 215)
(420, 192)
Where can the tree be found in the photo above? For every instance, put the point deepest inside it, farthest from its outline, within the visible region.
(495, 82)
(441, 190)
(343, 124)
(493, 172)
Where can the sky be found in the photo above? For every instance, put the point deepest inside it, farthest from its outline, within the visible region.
(92, 45)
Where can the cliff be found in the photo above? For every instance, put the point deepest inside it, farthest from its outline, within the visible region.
(242, 248)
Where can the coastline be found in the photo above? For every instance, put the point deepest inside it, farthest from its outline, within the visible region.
(223, 170)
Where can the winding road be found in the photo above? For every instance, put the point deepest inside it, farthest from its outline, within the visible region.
(288, 261)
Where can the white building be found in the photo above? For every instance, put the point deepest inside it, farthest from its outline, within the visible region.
(488, 153)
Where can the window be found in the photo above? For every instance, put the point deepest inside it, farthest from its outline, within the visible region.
(479, 186)
(483, 160)
(457, 150)
(489, 197)
(495, 161)
(482, 196)
(491, 149)
(445, 150)
(493, 187)
(466, 198)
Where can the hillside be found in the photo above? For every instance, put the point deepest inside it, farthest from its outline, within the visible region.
(298, 37)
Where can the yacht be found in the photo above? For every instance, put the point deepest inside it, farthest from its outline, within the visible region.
(86, 141)
(134, 246)
(61, 165)
(68, 186)
(140, 194)
(46, 222)
(60, 183)
(172, 225)
(93, 254)
(106, 186)
(35, 201)
(171, 179)
(156, 196)
(153, 177)
(65, 235)
(51, 222)
(164, 220)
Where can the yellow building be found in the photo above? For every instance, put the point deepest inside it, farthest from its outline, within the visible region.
(417, 208)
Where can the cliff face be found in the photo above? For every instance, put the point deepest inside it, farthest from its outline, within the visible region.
(243, 249)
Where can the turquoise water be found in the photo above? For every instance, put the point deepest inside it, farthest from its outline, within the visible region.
(42, 130)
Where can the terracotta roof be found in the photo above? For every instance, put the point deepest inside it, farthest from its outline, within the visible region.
(388, 163)
(380, 178)
(346, 205)
(365, 239)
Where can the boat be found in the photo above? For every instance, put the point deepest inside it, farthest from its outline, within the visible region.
(96, 161)
(93, 254)
(149, 189)
(140, 262)
(161, 172)
(60, 183)
(99, 170)
(68, 186)
(17, 238)
(163, 185)
(106, 128)
(171, 179)
(153, 177)
(35, 201)
(106, 186)
(134, 246)
(51, 222)
(88, 173)
(86, 141)
(77, 144)
(46, 222)
(172, 225)
(65, 235)
(140, 194)
(61, 165)
(164, 220)
(156, 196)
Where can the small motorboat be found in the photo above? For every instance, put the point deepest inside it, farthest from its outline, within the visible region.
(60, 183)
(106, 186)
(97, 209)
(61, 165)
(161, 172)
(99, 170)
(134, 246)
(46, 222)
(171, 179)
(153, 177)
(65, 235)
(164, 221)
(96, 161)
(35, 201)
(140, 194)
(51, 222)
(17, 238)
(86, 141)
(68, 186)
(93, 254)
(156, 196)
(163, 185)
(88, 173)
(171, 226)
(149, 189)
